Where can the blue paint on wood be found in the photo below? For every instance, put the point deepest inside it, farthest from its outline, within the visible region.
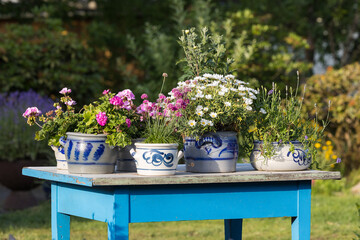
(226, 201)
(99, 152)
(233, 229)
(60, 223)
(87, 151)
(300, 223)
(58, 177)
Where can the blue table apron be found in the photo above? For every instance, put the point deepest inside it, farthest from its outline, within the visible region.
(122, 198)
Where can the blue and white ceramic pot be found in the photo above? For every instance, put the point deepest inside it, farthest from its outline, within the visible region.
(88, 153)
(61, 163)
(156, 159)
(125, 162)
(283, 159)
(212, 153)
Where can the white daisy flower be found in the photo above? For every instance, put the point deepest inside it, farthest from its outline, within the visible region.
(192, 123)
(228, 104)
(242, 88)
(242, 94)
(204, 122)
(206, 109)
(263, 111)
(234, 89)
(247, 101)
(230, 76)
(221, 93)
(248, 108)
(199, 107)
(201, 88)
(208, 96)
(193, 98)
(199, 95)
(210, 123)
(252, 96)
(200, 113)
(213, 114)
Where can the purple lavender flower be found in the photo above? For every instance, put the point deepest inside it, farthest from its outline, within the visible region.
(338, 160)
(306, 137)
(270, 92)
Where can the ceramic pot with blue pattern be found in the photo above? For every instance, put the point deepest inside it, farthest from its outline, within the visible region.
(156, 159)
(283, 159)
(61, 163)
(88, 153)
(212, 153)
(125, 162)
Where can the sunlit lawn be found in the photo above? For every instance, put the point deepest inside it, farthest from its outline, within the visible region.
(333, 217)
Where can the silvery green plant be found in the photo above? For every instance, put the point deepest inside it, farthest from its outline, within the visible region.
(279, 120)
(204, 53)
(215, 103)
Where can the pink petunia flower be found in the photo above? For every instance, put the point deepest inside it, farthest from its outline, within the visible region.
(101, 118)
(106, 92)
(65, 91)
(144, 96)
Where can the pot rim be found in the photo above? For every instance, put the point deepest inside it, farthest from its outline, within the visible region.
(221, 132)
(277, 143)
(85, 135)
(154, 145)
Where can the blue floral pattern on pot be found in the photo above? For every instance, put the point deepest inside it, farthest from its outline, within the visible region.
(212, 152)
(284, 159)
(156, 159)
(88, 153)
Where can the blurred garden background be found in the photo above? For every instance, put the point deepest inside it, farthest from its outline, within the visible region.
(90, 46)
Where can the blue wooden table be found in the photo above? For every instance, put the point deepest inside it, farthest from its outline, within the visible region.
(122, 198)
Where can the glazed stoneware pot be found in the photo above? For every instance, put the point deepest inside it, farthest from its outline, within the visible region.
(156, 159)
(59, 152)
(283, 159)
(88, 153)
(212, 153)
(125, 162)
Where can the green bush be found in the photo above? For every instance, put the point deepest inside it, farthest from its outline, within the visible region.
(45, 57)
(342, 88)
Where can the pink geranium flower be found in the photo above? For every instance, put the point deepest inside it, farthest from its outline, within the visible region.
(105, 92)
(101, 118)
(116, 101)
(65, 91)
(128, 122)
(126, 93)
(31, 112)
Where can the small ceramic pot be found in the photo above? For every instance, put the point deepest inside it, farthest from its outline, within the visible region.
(283, 159)
(156, 159)
(126, 162)
(212, 153)
(61, 163)
(88, 153)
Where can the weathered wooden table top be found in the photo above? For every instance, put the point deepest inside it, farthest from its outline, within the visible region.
(244, 173)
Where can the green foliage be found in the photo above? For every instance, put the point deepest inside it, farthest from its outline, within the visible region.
(280, 120)
(161, 130)
(43, 56)
(329, 187)
(357, 233)
(204, 54)
(342, 88)
(119, 132)
(263, 53)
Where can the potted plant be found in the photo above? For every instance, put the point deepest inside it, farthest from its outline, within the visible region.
(104, 125)
(54, 124)
(158, 154)
(284, 140)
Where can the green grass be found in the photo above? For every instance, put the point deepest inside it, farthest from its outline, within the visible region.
(333, 217)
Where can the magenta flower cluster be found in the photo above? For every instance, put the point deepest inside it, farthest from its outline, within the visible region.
(101, 118)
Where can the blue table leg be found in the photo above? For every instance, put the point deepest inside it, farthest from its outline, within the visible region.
(300, 225)
(60, 223)
(233, 229)
(118, 226)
